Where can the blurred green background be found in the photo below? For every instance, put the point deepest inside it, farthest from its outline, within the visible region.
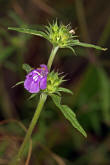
(88, 75)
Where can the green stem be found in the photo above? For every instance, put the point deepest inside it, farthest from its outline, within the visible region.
(38, 110)
(52, 55)
(30, 129)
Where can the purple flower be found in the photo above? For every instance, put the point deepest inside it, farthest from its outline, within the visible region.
(36, 79)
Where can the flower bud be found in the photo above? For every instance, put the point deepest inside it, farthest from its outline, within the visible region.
(59, 35)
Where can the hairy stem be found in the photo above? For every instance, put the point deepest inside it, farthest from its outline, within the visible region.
(52, 55)
(38, 110)
(30, 129)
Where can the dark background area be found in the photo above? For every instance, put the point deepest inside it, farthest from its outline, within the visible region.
(88, 75)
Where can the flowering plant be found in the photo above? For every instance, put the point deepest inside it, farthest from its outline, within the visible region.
(48, 82)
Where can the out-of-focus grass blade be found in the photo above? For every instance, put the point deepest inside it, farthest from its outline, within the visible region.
(95, 121)
(9, 65)
(85, 99)
(16, 18)
(104, 94)
(3, 146)
(106, 33)
(4, 54)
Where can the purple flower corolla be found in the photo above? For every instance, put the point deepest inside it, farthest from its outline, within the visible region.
(36, 79)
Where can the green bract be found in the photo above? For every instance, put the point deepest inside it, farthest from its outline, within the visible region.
(58, 35)
(53, 82)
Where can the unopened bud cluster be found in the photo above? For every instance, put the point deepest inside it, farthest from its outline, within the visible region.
(53, 82)
(59, 35)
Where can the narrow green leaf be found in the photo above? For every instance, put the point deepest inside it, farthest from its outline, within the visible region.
(75, 42)
(72, 50)
(18, 83)
(27, 67)
(32, 96)
(68, 113)
(89, 46)
(75, 36)
(58, 93)
(29, 31)
(65, 90)
(71, 117)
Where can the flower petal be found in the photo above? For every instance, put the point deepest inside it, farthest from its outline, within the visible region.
(27, 83)
(31, 86)
(43, 66)
(43, 83)
(34, 88)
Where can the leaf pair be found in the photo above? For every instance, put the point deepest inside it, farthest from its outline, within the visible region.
(73, 42)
